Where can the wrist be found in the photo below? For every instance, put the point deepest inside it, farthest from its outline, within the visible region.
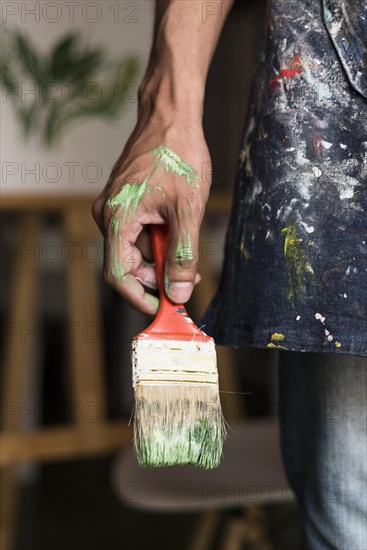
(171, 95)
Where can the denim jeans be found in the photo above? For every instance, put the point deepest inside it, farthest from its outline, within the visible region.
(323, 414)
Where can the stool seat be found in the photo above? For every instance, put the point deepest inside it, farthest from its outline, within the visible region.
(251, 472)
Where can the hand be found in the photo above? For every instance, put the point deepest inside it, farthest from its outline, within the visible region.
(158, 179)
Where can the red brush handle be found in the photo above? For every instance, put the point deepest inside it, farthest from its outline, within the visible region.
(172, 321)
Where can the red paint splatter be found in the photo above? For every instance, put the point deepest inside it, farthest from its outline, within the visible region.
(287, 73)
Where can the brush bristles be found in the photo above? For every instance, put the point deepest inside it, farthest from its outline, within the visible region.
(178, 425)
(178, 416)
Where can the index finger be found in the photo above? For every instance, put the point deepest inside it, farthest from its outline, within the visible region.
(123, 262)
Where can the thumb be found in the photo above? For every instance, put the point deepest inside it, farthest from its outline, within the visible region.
(182, 260)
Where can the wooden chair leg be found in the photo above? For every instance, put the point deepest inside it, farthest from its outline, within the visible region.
(248, 531)
(205, 530)
(86, 356)
(18, 364)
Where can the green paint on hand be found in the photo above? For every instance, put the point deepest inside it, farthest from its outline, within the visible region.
(117, 269)
(115, 225)
(184, 250)
(174, 164)
(151, 299)
(129, 197)
(300, 271)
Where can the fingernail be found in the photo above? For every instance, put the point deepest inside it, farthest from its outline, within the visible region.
(180, 292)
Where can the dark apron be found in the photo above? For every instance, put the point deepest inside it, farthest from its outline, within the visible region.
(295, 270)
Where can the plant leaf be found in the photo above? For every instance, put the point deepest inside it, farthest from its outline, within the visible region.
(69, 63)
(32, 63)
(62, 57)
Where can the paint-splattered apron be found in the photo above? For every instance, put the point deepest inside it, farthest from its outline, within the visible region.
(294, 275)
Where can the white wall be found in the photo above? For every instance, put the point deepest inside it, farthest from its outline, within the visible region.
(124, 28)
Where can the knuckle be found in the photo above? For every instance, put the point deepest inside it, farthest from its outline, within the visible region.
(190, 201)
(190, 208)
(187, 264)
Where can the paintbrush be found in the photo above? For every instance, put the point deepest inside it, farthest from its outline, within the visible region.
(177, 414)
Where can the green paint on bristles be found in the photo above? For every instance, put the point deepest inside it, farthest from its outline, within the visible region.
(202, 447)
(178, 431)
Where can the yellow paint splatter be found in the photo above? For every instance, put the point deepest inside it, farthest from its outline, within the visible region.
(299, 268)
(271, 345)
(276, 337)
(338, 344)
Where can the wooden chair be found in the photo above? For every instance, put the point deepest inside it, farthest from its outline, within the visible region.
(250, 475)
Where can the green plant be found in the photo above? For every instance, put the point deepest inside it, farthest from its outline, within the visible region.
(70, 82)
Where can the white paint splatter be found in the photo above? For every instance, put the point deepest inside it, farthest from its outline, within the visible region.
(343, 146)
(335, 26)
(301, 159)
(347, 194)
(320, 317)
(321, 123)
(309, 228)
(298, 317)
(316, 171)
(269, 235)
(256, 190)
(285, 210)
(348, 270)
(326, 144)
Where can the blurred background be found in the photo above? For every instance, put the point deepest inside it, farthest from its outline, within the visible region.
(70, 72)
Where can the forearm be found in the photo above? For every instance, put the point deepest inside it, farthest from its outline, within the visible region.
(185, 37)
